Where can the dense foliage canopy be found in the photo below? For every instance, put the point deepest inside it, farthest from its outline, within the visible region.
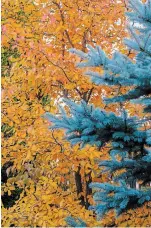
(45, 180)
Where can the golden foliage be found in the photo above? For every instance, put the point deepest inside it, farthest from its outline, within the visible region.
(37, 72)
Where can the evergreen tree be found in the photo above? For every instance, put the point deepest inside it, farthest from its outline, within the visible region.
(130, 140)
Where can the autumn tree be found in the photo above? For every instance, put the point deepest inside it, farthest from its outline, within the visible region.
(127, 136)
(43, 177)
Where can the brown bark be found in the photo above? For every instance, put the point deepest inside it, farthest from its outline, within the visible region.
(88, 190)
(78, 182)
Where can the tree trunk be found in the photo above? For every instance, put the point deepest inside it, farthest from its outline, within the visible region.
(78, 182)
(88, 190)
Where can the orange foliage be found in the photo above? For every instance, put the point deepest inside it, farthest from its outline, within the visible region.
(38, 71)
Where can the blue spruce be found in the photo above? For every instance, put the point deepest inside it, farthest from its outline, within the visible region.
(89, 125)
